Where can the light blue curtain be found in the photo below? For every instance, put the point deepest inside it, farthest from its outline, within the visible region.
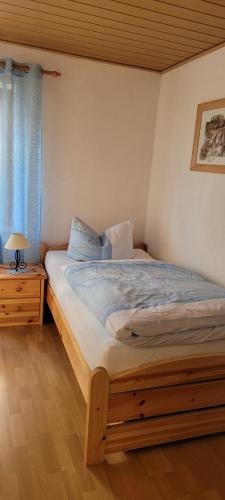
(20, 156)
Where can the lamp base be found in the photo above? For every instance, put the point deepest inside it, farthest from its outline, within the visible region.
(19, 263)
(19, 271)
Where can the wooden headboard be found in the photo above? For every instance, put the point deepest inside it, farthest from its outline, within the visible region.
(44, 247)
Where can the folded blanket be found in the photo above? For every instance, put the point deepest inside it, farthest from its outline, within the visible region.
(148, 303)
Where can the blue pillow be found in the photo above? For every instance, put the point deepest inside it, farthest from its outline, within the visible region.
(84, 242)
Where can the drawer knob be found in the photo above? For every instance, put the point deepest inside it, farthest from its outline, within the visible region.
(19, 288)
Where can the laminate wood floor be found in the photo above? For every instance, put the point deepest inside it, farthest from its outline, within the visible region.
(42, 420)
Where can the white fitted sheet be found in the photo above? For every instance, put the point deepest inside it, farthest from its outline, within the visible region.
(97, 345)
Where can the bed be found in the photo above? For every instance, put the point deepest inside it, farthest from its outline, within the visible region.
(135, 397)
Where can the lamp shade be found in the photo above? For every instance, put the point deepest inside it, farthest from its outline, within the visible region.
(17, 241)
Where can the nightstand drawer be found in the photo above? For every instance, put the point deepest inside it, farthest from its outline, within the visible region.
(20, 320)
(19, 288)
(19, 311)
(10, 306)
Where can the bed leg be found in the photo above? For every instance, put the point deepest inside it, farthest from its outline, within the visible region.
(97, 408)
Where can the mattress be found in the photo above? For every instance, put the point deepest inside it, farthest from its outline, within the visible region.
(97, 345)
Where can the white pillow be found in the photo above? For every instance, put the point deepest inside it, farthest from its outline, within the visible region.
(118, 241)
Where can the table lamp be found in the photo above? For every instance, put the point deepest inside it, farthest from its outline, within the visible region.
(17, 242)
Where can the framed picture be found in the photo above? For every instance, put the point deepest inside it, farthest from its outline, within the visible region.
(208, 153)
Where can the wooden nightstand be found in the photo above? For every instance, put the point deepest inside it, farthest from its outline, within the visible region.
(22, 296)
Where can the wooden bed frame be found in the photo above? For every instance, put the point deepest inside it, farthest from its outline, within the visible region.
(158, 403)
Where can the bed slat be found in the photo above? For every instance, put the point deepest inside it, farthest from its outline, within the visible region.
(157, 430)
(174, 371)
(135, 405)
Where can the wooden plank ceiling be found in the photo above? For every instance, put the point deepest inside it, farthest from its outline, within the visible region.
(149, 34)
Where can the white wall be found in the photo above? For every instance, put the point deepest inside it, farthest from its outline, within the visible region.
(185, 221)
(98, 128)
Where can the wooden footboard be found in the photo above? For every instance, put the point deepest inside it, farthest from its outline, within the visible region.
(162, 402)
(155, 414)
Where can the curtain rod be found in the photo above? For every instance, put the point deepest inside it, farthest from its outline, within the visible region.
(23, 67)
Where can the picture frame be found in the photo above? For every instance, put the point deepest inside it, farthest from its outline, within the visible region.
(208, 154)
